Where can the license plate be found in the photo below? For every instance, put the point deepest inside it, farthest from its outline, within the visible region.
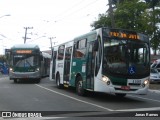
(125, 87)
(134, 81)
(25, 76)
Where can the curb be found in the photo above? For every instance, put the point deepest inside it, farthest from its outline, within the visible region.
(154, 91)
(3, 76)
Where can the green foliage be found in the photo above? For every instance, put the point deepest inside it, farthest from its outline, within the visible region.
(152, 3)
(2, 58)
(135, 15)
(131, 15)
(104, 20)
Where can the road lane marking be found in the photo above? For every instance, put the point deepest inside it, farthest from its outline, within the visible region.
(122, 110)
(144, 98)
(155, 91)
(141, 109)
(75, 98)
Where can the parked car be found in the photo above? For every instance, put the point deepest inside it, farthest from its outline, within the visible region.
(154, 76)
(156, 65)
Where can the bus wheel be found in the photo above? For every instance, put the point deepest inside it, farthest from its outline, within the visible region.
(38, 80)
(15, 81)
(79, 87)
(58, 82)
(120, 94)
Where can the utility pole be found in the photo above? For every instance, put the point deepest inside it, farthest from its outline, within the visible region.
(51, 38)
(25, 37)
(111, 14)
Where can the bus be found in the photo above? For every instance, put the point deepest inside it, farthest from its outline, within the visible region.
(28, 62)
(115, 61)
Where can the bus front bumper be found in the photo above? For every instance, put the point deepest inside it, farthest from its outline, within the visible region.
(24, 75)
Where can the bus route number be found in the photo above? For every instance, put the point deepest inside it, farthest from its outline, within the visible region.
(136, 81)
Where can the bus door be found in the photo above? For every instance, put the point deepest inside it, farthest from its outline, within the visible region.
(67, 63)
(90, 66)
(54, 64)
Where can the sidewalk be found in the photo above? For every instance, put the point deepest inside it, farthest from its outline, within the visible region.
(155, 88)
(2, 75)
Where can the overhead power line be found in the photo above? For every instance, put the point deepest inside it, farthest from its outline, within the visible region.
(75, 5)
(93, 2)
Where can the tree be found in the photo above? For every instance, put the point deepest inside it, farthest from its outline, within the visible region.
(102, 22)
(2, 58)
(131, 15)
(154, 5)
(138, 15)
(127, 14)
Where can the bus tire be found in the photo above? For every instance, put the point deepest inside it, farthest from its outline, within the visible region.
(120, 95)
(79, 87)
(15, 81)
(59, 85)
(38, 80)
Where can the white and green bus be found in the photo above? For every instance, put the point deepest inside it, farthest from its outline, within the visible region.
(27, 62)
(104, 60)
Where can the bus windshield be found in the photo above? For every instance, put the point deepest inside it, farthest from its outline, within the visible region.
(25, 60)
(126, 58)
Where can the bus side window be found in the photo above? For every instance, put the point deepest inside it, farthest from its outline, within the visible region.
(96, 45)
(61, 52)
(80, 48)
(41, 57)
(98, 56)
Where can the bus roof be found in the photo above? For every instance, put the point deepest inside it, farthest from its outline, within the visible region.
(68, 43)
(25, 46)
(46, 55)
(92, 35)
(84, 35)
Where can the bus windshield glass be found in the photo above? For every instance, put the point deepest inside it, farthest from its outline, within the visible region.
(125, 58)
(25, 60)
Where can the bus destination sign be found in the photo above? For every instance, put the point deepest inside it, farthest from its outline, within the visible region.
(133, 36)
(24, 51)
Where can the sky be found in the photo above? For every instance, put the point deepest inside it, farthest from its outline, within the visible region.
(62, 20)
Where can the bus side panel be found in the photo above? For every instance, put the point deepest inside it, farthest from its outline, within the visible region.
(54, 61)
(78, 68)
(47, 67)
(59, 69)
(50, 73)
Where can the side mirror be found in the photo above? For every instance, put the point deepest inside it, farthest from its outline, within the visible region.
(96, 45)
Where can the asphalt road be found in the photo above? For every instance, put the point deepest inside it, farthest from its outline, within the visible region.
(50, 101)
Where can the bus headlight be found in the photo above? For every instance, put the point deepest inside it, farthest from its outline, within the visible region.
(11, 69)
(37, 69)
(106, 79)
(145, 83)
